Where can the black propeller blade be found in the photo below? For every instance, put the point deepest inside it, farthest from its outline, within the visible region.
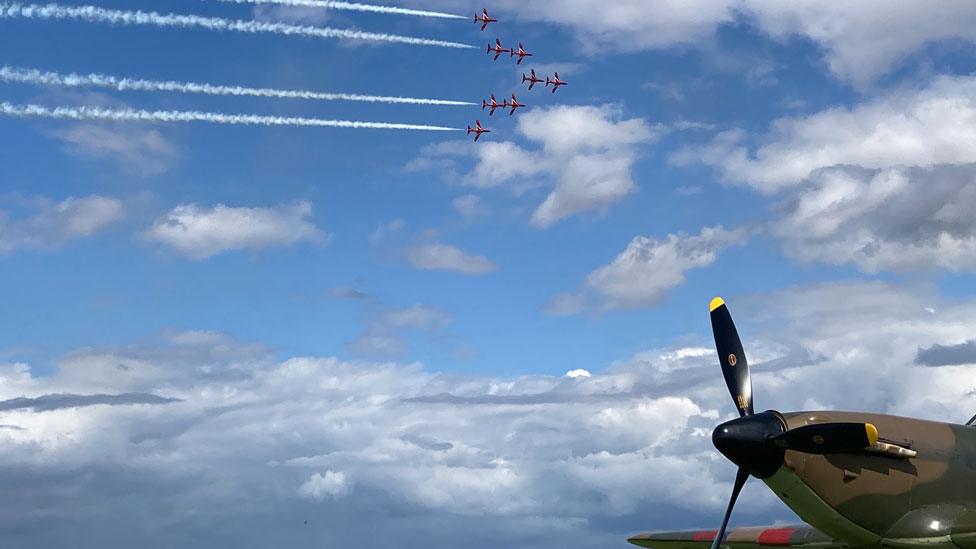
(735, 367)
(828, 438)
(740, 480)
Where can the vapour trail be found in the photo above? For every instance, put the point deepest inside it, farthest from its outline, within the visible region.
(132, 115)
(71, 80)
(94, 14)
(350, 6)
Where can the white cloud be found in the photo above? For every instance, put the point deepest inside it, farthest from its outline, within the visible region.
(586, 153)
(884, 220)
(137, 150)
(860, 40)
(384, 334)
(249, 453)
(643, 274)
(470, 207)
(883, 185)
(925, 128)
(56, 223)
(442, 257)
(497, 455)
(586, 183)
(198, 232)
(331, 485)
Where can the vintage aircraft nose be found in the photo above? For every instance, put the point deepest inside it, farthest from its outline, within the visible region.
(746, 442)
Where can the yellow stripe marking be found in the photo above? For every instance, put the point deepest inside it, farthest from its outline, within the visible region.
(715, 304)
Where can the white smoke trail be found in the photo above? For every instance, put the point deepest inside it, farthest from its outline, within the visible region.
(350, 6)
(132, 115)
(43, 78)
(93, 14)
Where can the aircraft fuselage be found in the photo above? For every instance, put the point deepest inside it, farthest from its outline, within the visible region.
(869, 499)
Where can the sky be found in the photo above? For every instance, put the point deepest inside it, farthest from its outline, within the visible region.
(284, 333)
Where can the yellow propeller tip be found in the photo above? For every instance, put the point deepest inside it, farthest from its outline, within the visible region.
(872, 433)
(715, 304)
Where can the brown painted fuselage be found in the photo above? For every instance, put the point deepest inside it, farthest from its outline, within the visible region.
(869, 499)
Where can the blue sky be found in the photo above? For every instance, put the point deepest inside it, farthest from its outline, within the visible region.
(813, 164)
(355, 182)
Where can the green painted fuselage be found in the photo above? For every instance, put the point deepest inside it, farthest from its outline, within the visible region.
(869, 499)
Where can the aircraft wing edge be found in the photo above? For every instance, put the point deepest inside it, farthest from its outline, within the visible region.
(739, 538)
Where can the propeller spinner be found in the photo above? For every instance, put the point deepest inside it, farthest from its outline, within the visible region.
(757, 443)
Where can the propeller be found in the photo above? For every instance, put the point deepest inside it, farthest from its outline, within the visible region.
(757, 443)
(735, 367)
(740, 480)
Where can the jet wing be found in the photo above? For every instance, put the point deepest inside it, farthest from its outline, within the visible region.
(740, 538)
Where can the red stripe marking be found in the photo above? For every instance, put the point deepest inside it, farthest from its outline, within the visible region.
(777, 537)
(705, 535)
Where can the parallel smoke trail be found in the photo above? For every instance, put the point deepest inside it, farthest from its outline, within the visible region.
(36, 77)
(132, 115)
(350, 6)
(93, 14)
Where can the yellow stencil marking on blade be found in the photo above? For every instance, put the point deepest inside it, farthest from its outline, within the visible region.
(715, 304)
(872, 433)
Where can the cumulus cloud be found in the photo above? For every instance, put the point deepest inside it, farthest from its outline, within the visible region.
(643, 274)
(586, 154)
(360, 436)
(923, 128)
(865, 337)
(883, 185)
(948, 355)
(199, 232)
(856, 47)
(53, 224)
(331, 485)
(249, 458)
(896, 219)
(443, 257)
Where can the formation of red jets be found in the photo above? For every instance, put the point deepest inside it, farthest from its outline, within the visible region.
(498, 49)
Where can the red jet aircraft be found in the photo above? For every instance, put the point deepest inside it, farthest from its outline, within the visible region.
(520, 52)
(532, 80)
(515, 105)
(498, 49)
(556, 82)
(493, 104)
(477, 130)
(484, 19)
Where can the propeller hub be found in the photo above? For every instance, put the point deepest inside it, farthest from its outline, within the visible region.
(746, 442)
